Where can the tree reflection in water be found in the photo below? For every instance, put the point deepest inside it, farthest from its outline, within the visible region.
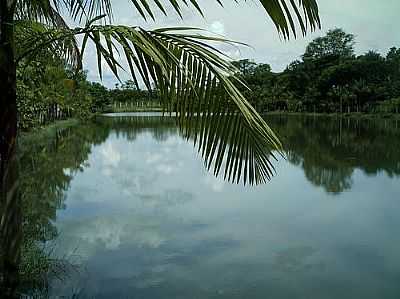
(327, 149)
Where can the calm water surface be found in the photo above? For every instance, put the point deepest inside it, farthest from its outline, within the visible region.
(128, 201)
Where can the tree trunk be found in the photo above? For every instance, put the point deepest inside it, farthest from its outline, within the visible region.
(10, 212)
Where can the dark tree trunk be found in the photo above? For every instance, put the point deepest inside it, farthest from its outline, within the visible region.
(10, 212)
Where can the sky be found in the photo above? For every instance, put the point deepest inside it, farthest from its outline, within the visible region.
(374, 23)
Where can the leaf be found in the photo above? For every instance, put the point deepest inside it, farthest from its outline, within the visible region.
(198, 85)
(284, 13)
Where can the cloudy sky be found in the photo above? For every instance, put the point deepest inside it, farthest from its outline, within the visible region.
(375, 24)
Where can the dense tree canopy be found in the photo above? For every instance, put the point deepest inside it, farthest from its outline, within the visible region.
(48, 90)
(336, 43)
(328, 78)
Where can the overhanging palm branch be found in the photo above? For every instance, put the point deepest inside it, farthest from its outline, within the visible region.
(50, 10)
(195, 82)
(280, 11)
(191, 76)
(284, 13)
(37, 39)
(41, 11)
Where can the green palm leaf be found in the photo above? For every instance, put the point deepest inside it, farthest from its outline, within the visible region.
(284, 13)
(191, 76)
(280, 11)
(49, 10)
(37, 39)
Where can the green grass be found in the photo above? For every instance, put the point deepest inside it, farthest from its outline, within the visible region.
(48, 130)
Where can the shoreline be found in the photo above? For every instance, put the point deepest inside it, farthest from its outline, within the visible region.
(354, 115)
(47, 130)
(52, 128)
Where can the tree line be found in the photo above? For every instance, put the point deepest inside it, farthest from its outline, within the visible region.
(329, 78)
(126, 96)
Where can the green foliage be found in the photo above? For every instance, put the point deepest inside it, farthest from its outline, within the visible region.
(100, 99)
(245, 66)
(48, 90)
(329, 78)
(336, 43)
(389, 106)
(127, 97)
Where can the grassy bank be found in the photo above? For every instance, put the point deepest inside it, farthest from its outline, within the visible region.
(50, 129)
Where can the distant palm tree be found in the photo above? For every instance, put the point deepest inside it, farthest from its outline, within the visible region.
(192, 77)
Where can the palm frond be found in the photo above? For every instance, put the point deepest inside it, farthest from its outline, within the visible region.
(35, 19)
(49, 11)
(84, 9)
(194, 81)
(40, 11)
(284, 13)
(36, 39)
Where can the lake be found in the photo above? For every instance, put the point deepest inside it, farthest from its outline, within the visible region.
(127, 207)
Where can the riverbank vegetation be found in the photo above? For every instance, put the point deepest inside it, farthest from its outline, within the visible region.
(49, 90)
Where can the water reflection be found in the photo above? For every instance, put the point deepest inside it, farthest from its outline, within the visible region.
(330, 149)
(123, 206)
(48, 164)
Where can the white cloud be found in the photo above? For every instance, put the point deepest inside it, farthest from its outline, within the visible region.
(166, 169)
(107, 171)
(107, 232)
(217, 27)
(85, 238)
(215, 184)
(111, 156)
(153, 158)
(67, 171)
